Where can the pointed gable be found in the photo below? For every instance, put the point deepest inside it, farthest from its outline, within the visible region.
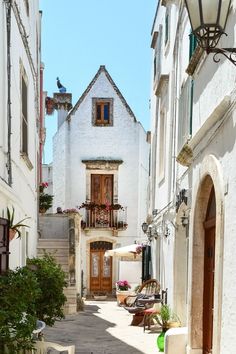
(82, 97)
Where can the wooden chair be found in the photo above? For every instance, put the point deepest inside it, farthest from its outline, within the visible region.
(148, 314)
(42, 347)
(148, 288)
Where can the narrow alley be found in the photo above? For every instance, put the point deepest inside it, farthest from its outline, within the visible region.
(103, 328)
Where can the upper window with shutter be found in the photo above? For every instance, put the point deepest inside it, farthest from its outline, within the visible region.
(185, 113)
(24, 114)
(102, 111)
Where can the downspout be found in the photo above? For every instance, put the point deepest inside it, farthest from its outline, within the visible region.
(41, 124)
(9, 117)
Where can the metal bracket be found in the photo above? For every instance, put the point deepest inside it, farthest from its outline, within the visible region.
(229, 53)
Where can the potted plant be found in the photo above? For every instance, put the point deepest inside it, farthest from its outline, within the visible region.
(122, 291)
(45, 199)
(166, 319)
(14, 227)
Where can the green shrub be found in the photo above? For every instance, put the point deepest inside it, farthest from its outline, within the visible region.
(27, 294)
(19, 291)
(51, 280)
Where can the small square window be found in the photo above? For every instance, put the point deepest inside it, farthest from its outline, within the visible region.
(102, 111)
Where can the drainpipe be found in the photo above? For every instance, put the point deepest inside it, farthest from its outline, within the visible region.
(9, 117)
(41, 123)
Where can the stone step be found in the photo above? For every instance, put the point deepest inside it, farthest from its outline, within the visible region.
(54, 251)
(60, 258)
(70, 309)
(53, 243)
(70, 291)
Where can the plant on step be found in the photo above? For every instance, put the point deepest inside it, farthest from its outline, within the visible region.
(45, 199)
(15, 227)
(51, 280)
(19, 291)
(166, 317)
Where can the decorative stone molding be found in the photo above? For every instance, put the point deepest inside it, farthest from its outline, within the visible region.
(194, 60)
(154, 39)
(27, 161)
(185, 155)
(102, 164)
(63, 101)
(164, 79)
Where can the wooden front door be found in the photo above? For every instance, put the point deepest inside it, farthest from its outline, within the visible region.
(102, 195)
(102, 189)
(100, 267)
(209, 268)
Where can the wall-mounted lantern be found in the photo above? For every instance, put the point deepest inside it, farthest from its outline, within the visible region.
(208, 20)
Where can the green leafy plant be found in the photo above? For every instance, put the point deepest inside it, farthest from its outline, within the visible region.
(166, 317)
(45, 199)
(51, 280)
(16, 226)
(27, 294)
(19, 290)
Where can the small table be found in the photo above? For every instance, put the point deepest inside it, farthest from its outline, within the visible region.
(149, 301)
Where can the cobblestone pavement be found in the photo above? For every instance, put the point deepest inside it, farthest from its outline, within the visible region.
(103, 328)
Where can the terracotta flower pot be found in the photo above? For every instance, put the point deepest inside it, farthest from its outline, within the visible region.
(121, 295)
(12, 234)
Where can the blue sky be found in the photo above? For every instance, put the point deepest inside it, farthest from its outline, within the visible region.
(79, 36)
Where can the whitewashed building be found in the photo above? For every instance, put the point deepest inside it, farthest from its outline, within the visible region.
(193, 175)
(20, 27)
(100, 158)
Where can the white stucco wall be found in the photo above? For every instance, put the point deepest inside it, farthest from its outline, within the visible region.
(23, 192)
(79, 140)
(213, 135)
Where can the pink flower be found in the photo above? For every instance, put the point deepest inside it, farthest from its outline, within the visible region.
(122, 285)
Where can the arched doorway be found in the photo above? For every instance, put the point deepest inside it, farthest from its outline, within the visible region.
(100, 267)
(206, 254)
(209, 270)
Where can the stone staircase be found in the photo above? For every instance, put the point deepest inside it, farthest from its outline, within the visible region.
(59, 249)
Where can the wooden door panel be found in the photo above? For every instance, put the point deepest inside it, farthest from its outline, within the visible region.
(102, 189)
(95, 271)
(101, 193)
(100, 271)
(96, 192)
(107, 189)
(106, 276)
(208, 292)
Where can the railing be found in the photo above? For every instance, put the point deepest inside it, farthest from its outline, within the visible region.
(105, 218)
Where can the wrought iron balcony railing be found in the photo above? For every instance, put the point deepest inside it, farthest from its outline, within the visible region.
(104, 216)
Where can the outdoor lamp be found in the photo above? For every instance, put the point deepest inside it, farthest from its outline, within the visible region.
(184, 220)
(208, 20)
(144, 227)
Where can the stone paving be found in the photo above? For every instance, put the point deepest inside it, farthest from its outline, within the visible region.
(103, 328)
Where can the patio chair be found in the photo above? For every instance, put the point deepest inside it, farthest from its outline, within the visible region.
(148, 315)
(148, 288)
(132, 305)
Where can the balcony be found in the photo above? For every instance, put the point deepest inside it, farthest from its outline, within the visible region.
(103, 216)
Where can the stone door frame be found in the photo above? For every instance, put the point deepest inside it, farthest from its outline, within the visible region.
(210, 174)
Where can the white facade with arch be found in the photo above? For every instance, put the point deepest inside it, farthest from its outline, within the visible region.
(200, 150)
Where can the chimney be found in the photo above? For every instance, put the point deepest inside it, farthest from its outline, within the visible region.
(63, 105)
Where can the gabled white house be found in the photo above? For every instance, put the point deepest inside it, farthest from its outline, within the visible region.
(19, 119)
(101, 159)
